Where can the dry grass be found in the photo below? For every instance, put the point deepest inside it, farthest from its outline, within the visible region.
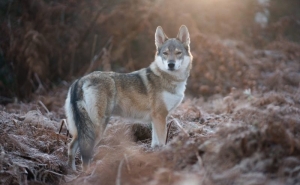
(45, 42)
(240, 121)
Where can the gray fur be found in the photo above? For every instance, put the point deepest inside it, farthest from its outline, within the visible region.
(147, 95)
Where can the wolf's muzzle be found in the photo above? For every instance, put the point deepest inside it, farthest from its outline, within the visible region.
(171, 65)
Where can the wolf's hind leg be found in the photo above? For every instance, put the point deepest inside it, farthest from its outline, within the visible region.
(88, 143)
(95, 124)
(72, 149)
(99, 103)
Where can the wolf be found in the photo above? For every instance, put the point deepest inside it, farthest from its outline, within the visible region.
(147, 95)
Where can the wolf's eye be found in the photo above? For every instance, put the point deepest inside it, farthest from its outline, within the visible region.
(178, 53)
(165, 53)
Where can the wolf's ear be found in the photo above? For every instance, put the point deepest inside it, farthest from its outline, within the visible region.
(183, 35)
(160, 37)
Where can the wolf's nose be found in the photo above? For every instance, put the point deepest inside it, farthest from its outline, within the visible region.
(171, 65)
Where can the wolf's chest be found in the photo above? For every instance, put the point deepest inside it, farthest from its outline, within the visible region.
(172, 100)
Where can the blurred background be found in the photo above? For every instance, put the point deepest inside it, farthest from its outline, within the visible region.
(235, 43)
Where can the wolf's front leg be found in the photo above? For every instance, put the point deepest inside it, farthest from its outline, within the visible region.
(159, 130)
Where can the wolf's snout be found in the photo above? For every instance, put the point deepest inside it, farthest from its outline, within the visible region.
(171, 65)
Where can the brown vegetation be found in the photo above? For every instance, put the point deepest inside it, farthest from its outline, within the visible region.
(44, 42)
(240, 121)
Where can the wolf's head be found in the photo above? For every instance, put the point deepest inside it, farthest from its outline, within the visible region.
(173, 54)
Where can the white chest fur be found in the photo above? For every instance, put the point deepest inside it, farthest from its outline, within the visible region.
(173, 100)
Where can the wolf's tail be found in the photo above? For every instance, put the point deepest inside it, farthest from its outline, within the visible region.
(84, 124)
